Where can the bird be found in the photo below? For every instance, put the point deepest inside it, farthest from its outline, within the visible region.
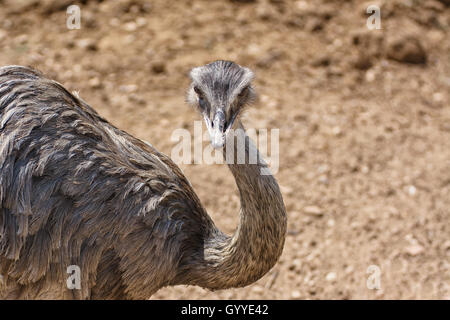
(77, 191)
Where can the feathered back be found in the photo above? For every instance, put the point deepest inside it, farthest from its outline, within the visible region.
(75, 190)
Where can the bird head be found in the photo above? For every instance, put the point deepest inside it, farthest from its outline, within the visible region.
(220, 90)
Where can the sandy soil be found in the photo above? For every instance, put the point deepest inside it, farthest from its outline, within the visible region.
(364, 119)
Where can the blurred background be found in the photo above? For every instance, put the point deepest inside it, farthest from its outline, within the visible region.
(364, 121)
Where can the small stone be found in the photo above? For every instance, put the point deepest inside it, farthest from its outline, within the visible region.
(114, 22)
(323, 179)
(438, 97)
(331, 276)
(87, 44)
(370, 76)
(349, 269)
(133, 97)
(3, 34)
(296, 265)
(302, 5)
(414, 250)
(269, 58)
(22, 39)
(447, 244)
(363, 62)
(336, 131)
(314, 24)
(407, 49)
(412, 190)
(321, 61)
(95, 82)
(324, 168)
(158, 67)
(286, 189)
(313, 210)
(141, 21)
(265, 12)
(130, 26)
(295, 294)
(257, 289)
(330, 223)
(128, 88)
(89, 19)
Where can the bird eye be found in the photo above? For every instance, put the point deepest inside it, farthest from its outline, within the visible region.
(201, 98)
(243, 92)
(198, 91)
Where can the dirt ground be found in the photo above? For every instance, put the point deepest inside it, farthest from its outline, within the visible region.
(364, 120)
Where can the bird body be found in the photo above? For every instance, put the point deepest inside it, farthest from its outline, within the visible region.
(77, 191)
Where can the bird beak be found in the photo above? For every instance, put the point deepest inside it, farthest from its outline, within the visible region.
(217, 129)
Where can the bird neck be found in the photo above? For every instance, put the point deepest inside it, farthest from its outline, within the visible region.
(259, 239)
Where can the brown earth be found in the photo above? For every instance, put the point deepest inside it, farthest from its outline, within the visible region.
(364, 121)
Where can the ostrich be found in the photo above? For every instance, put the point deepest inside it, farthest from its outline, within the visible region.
(77, 191)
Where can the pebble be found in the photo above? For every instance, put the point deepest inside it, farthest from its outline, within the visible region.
(128, 88)
(438, 97)
(370, 76)
(336, 131)
(158, 67)
(89, 19)
(265, 12)
(321, 61)
(323, 179)
(314, 24)
(114, 22)
(331, 276)
(302, 5)
(363, 62)
(22, 39)
(87, 44)
(313, 210)
(95, 82)
(447, 244)
(406, 49)
(257, 289)
(130, 26)
(2, 34)
(269, 58)
(296, 265)
(324, 168)
(414, 250)
(349, 269)
(286, 190)
(141, 21)
(295, 294)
